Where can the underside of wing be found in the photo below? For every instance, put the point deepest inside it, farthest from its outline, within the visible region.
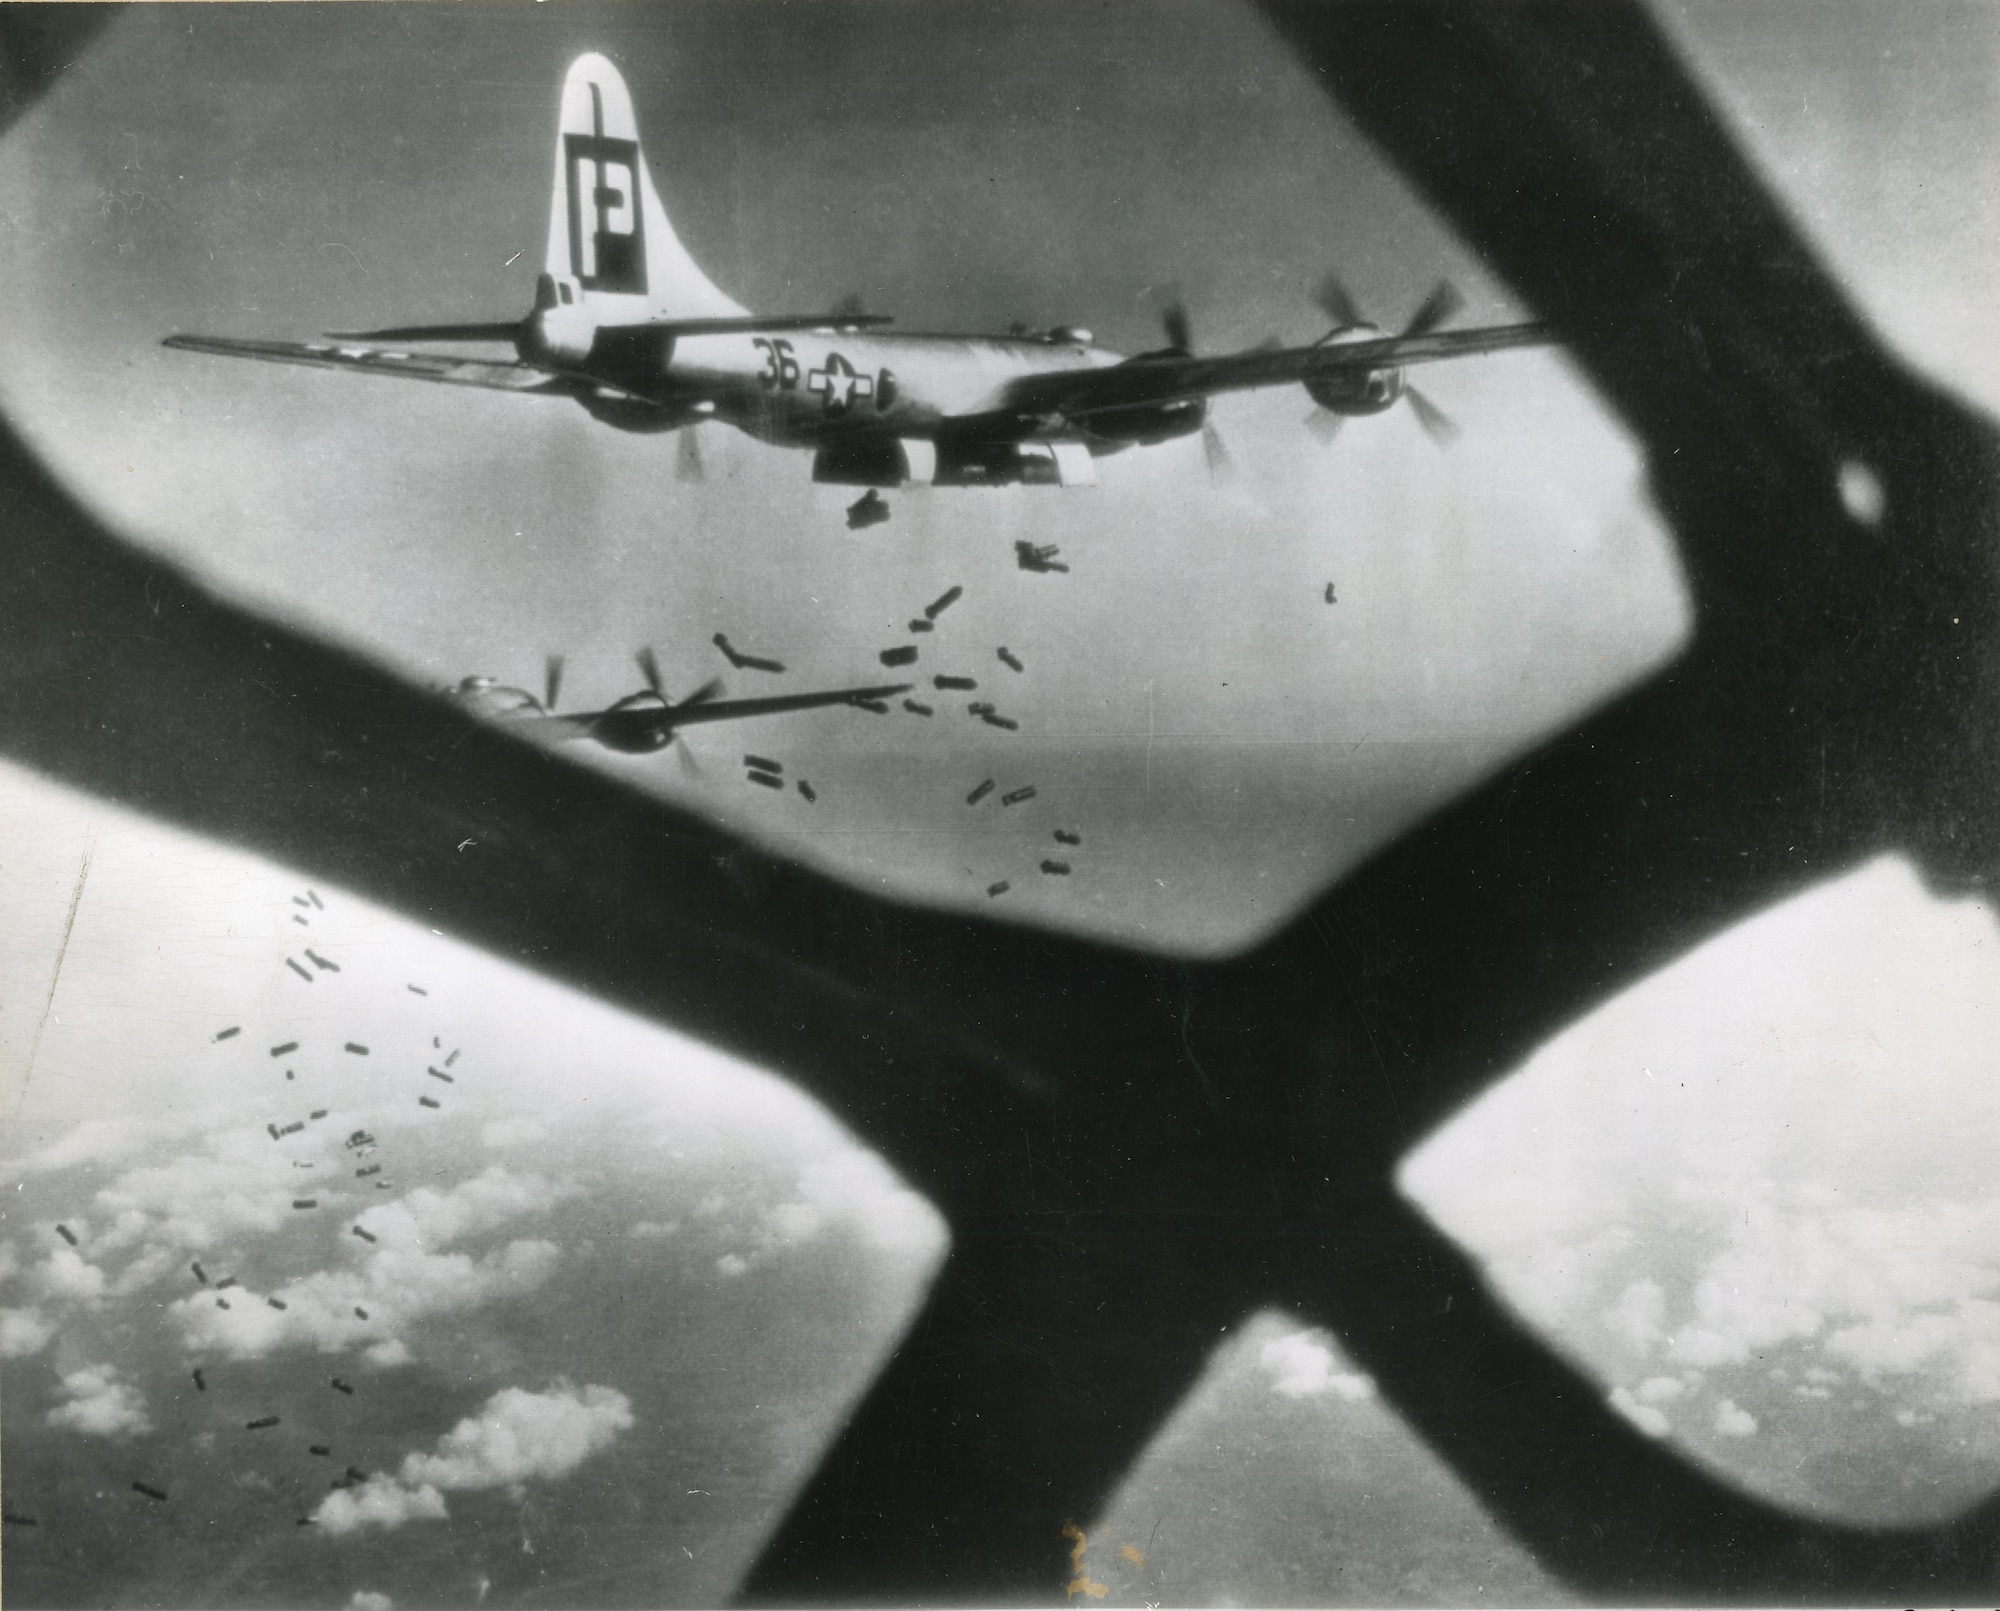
(1173, 377)
(434, 367)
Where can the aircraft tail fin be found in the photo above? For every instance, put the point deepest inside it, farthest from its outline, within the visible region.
(609, 238)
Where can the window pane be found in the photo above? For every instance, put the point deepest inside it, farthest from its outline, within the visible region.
(1223, 738)
(1284, 1480)
(1754, 1196)
(599, 1308)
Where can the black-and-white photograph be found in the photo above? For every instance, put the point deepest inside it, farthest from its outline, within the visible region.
(999, 802)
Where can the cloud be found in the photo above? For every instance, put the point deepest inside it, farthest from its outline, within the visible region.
(1640, 1314)
(517, 1437)
(1646, 1417)
(854, 1193)
(95, 1141)
(394, 1286)
(24, 1332)
(427, 1218)
(67, 1276)
(400, 1277)
(1908, 1294)
(653, 1230)
(98, 1405)
(1661, 1389)
(1960, 1345)
(1301, 1366)
(517, 1132)
(732, 1265)
(1731, 1422)
(379, 1502)
(521, 1436)
(369, 1600)
(240, 1186)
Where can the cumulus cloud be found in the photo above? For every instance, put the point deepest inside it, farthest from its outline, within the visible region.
(654, 1230)
(521, 1436)
(516, 1438)
(66, 1276)
(369, 1600)
(427, 1218)
(1648, 1418)
(1302, 1366)
(24, 1332)
(1661, 1389)
(98, 1405)
(239, 1187)
(379, 1502)
(1911, 1292)
(401, 1276)
(854, 1192)
(366, 1306)
(1732, 1422)
(731, 1265)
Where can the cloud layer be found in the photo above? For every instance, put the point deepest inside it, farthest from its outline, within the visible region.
(517, 1437)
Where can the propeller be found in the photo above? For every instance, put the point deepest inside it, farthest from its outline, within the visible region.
(552, 673)
(1324, 423)
(1339, 305)
(649, 668)
(1439, 426)
(1179, 331)
(1440, 305)
(688, 464)
(1220, 466)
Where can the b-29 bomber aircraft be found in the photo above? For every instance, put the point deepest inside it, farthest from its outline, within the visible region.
(628, 326)
(646, 721)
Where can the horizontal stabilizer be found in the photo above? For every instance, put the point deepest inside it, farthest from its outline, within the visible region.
(752, 323)
(400, 365)
(499, 330)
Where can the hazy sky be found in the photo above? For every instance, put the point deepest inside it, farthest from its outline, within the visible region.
(1750, 1195)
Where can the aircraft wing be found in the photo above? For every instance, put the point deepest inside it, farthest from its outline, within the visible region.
(445, 371)
(725, 710)
(1167, 378)
(584, 724)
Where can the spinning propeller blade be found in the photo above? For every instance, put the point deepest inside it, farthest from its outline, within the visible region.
(688, 464)
(1439, 426)
(649, 668)
(1220, 466)
(1338, 304)
(1440, 305)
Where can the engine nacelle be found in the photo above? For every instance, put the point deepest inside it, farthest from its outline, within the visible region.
(1364, 391)
(1145, 424)
(632, 737)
